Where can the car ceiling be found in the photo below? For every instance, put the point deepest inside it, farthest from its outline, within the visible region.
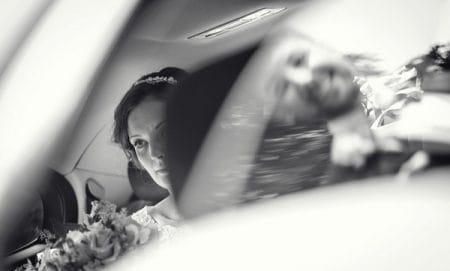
(156, 38)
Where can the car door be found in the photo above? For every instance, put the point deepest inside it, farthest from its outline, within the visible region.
(45, 80)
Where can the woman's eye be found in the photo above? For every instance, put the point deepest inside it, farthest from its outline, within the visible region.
(139, 144)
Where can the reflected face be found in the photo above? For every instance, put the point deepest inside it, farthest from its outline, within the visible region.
(146, 130)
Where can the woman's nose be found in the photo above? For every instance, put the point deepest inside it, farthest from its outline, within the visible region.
(157, 160)
(157, 148)
(156, 154)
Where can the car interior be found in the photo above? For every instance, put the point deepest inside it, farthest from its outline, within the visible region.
(226, 47)
(161, 33)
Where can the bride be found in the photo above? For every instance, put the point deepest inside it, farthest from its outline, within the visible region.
(139, 128)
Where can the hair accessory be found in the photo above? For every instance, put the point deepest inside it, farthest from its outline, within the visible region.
(156, 79)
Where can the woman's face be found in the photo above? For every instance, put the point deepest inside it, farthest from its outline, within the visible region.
(146, 125)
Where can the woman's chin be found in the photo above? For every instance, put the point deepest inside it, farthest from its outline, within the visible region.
(161, 178)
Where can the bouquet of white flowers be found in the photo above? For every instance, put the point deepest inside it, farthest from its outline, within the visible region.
(105, 235)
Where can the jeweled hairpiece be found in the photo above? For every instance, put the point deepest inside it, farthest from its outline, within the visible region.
(156, 79)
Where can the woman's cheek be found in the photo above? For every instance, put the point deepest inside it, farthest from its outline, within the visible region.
(144, 160)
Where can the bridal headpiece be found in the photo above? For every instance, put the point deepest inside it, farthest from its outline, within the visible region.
(156, 79)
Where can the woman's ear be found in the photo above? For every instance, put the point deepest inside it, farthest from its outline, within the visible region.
(132, 160)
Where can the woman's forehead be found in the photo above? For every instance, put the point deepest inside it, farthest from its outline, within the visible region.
(147, 115)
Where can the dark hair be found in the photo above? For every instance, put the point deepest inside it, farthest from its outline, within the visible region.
(159, 85)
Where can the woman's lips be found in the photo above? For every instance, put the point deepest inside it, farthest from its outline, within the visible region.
(162, 171)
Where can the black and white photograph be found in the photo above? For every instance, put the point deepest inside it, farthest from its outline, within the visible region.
(224, 135)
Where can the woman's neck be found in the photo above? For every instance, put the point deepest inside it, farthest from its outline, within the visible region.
(169, 208)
